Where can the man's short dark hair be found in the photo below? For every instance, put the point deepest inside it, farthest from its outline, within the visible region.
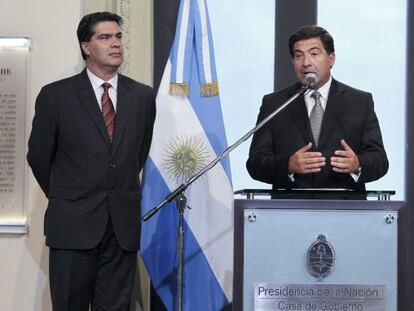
(309, 32)
(86, 27)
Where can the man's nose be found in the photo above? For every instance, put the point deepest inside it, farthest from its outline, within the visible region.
(307, 61)
(116, 42)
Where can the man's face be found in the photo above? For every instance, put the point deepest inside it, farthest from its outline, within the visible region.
(104, 50)
(309, 56)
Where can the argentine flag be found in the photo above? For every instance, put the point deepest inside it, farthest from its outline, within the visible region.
(188, 134)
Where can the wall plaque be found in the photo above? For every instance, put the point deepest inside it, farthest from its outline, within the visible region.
(14, 58)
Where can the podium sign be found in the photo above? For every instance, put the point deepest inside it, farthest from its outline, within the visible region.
(315, 255)
(270, 297)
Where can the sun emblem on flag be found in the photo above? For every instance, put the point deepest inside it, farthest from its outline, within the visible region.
(185, 157)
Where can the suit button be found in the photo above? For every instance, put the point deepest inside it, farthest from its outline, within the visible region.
(111, 191)
(112, 165)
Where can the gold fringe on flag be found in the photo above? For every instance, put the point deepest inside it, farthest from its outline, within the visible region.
(209, 89)
(178, 89)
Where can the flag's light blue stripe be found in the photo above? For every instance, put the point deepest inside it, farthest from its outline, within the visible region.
(199, 41)
(211, 46)
(158, 236)
(188, 47)
(208, 111)
(158, 249)
(174, 49)
(204, 39)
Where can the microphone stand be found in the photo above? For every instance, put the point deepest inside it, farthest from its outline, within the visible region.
(179, 196)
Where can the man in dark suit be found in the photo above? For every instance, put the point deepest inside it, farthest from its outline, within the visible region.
(344, 150)
(90, 138)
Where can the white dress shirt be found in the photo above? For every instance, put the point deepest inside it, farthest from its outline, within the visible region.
(324, 91)
(98, 89)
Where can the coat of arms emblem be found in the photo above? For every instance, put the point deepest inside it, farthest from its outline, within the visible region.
(320, 258)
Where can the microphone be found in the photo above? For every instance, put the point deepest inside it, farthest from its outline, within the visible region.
(310, 81)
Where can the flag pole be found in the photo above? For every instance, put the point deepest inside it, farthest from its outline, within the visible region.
(181, 205)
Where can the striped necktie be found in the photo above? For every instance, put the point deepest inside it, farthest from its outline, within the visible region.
(108, 111)
(316, 116)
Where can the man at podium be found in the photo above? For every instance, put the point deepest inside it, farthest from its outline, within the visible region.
(328, 138)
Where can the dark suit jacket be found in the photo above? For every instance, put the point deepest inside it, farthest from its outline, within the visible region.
(349, 115)
(86, 178)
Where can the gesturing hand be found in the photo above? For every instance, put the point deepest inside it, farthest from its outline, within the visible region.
(345, 161)
(304, 161)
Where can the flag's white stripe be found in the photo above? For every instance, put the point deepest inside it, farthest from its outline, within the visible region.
(205, 45)
(214, 222)
(182, 42)
(203, 220)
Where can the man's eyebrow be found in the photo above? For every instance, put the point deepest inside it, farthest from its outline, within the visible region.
(109, 34)
(308, 50)
(314, 48)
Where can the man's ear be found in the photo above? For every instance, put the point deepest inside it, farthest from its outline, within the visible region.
(85, 48)
(332, 59)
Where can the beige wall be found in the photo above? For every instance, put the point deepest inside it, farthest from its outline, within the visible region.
(55, 54)
(51, 24)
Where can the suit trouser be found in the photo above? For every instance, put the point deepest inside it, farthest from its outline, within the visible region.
(101, 277)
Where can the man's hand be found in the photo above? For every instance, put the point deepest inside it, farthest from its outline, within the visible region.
(345, 161)
(304, 161)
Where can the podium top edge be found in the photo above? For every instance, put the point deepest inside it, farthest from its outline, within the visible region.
(315, 191)
(317, 194)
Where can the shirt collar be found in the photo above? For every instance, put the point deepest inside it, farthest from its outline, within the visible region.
(97, 82)
(324, 89)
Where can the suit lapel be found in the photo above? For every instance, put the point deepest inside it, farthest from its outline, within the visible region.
(334, 107)
(123, 106)
(300, 116)
(88, 99)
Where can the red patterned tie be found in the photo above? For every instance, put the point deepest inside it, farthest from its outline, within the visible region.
(108, 111)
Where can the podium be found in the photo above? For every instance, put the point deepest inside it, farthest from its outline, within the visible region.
(315, 254)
